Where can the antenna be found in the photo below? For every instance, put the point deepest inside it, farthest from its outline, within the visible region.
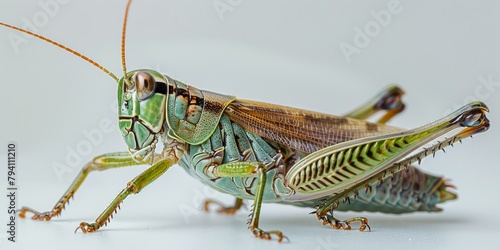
(74, 52)
(124, 32)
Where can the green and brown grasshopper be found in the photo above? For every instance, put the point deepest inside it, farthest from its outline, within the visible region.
(270, 153)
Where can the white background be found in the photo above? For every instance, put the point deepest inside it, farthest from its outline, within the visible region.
(285, 52)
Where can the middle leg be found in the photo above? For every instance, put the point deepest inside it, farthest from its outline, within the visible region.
(256, 170)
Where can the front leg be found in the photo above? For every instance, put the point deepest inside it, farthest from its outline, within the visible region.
(100, 163)
(133, 187)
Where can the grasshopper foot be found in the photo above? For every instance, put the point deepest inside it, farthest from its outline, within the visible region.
(345, 224)
(45, 216)
(88, 228)
(229, 210)
(261, 234)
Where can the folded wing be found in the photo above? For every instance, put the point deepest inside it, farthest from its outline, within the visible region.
(302, 130)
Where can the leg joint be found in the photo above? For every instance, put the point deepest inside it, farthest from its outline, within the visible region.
(132, 188)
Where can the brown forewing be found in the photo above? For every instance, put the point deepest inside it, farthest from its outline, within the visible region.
(302, 130)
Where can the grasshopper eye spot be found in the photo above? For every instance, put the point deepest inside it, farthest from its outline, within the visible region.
(146, 85)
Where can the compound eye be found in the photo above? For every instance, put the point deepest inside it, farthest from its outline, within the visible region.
(146, 85)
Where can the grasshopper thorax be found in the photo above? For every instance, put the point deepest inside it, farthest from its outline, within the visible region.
(141, 108)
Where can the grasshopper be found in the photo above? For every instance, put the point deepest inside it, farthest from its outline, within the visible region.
(270, 153)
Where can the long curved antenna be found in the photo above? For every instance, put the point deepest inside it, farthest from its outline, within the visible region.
(62, 47)
(124, 32)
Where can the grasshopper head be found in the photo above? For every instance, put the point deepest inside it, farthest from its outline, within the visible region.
(141, 108)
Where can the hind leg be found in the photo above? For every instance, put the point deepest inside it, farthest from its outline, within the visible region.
(388, 100)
